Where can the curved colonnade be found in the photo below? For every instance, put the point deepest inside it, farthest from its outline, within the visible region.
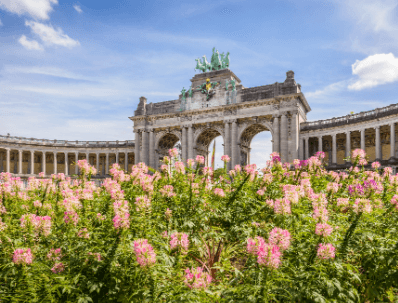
(373, 131)
(25, 157)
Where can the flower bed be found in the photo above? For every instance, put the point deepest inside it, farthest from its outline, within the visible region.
(283, 234)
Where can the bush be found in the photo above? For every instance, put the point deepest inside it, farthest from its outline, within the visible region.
(285, 234)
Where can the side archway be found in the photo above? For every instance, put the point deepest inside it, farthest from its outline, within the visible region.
(165, 142)
(203, 140)
(246, 138)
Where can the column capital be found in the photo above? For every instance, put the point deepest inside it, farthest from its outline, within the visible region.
(32, 151)
(334, 135)
(320, 137)
(377, 127)
(392, 124)
(276, 116)
(20, 151)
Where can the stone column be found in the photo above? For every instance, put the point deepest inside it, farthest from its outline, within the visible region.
(117, 157)
(363, 139)
(107, 164)
(334, 149)
(276, 136)
(137, 147)
(32, 162)
(190, 142)
(320, 143)
(234, 144)
(392, 140)
(97, 163)
(55, 163)
(20, 162)
(8, 160)
(126, 161)
(283, 141)
(302, 149)
(184, 143)
(88, 158)
(152, 149)
(307, 150)
(347, 144)
(295, 135)
(377, 147)
(144, 156)
(43, 163)
(76, 167)
(66, 164)
(227, 142)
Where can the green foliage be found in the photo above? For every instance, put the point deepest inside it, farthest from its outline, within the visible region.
(103, 267)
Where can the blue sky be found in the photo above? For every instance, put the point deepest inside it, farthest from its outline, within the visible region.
(75, 69)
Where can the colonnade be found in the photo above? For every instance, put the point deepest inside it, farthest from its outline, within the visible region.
(146, 149)
(101, 160)
(374, 140)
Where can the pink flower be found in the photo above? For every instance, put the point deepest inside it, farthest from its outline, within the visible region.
(376, 165)
(142, 203)
(326, 251)
(54, 254)
(279, 237)
(167, 191)
(190, 163)
(342, 201)
(22, 256)
(83, 233)
(144, 253)
(180, 168)
(207, 171)
(260, 192)
(179, 240)
(41, 175)
(254, 244)
(121, 221)
(200, 159)
(71, 217)
(394, 201)
(219, 192)
(196, 278)
(57, 268)
(323, 229)
(225, 158)
(362, 205)
(282, 206)
(269, 255)
(173, 152)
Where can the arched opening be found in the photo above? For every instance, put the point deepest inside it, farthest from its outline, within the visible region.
(255, 145)
(166, 142)
(204, 146)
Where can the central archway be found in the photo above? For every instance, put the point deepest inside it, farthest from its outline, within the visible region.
(204, 141)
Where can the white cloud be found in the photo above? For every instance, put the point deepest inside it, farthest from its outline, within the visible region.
(30, 44)
(38, 9)
(51, 36)
(77, 8)
(375, 70)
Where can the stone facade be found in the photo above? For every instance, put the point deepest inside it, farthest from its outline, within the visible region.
(234, 112)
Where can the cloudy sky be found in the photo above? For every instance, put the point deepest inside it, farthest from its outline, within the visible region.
(75, 70)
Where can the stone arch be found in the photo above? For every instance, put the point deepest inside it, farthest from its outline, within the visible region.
(246, 135)
(165, 141)
(203, 138)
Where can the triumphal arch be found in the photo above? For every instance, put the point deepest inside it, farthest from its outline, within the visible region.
(218, 104)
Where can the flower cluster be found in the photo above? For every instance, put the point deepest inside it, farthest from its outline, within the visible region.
(40, 225)
(326, 251)
(179, 240)
(86, 168)
(22, 256)
(144, 253)
(197, 279)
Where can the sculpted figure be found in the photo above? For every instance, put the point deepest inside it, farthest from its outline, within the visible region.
(226, 60)
(183, 94)
(206, 64)
(226, 85)
(199, 65)
(233, 84)
(190, 92)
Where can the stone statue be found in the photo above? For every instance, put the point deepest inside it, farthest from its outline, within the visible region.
(199, 65)
(183, 94)
(233, 81)
(216, 63)
(206, 64)
(226, 61)
(190, 92)
(226, 84)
